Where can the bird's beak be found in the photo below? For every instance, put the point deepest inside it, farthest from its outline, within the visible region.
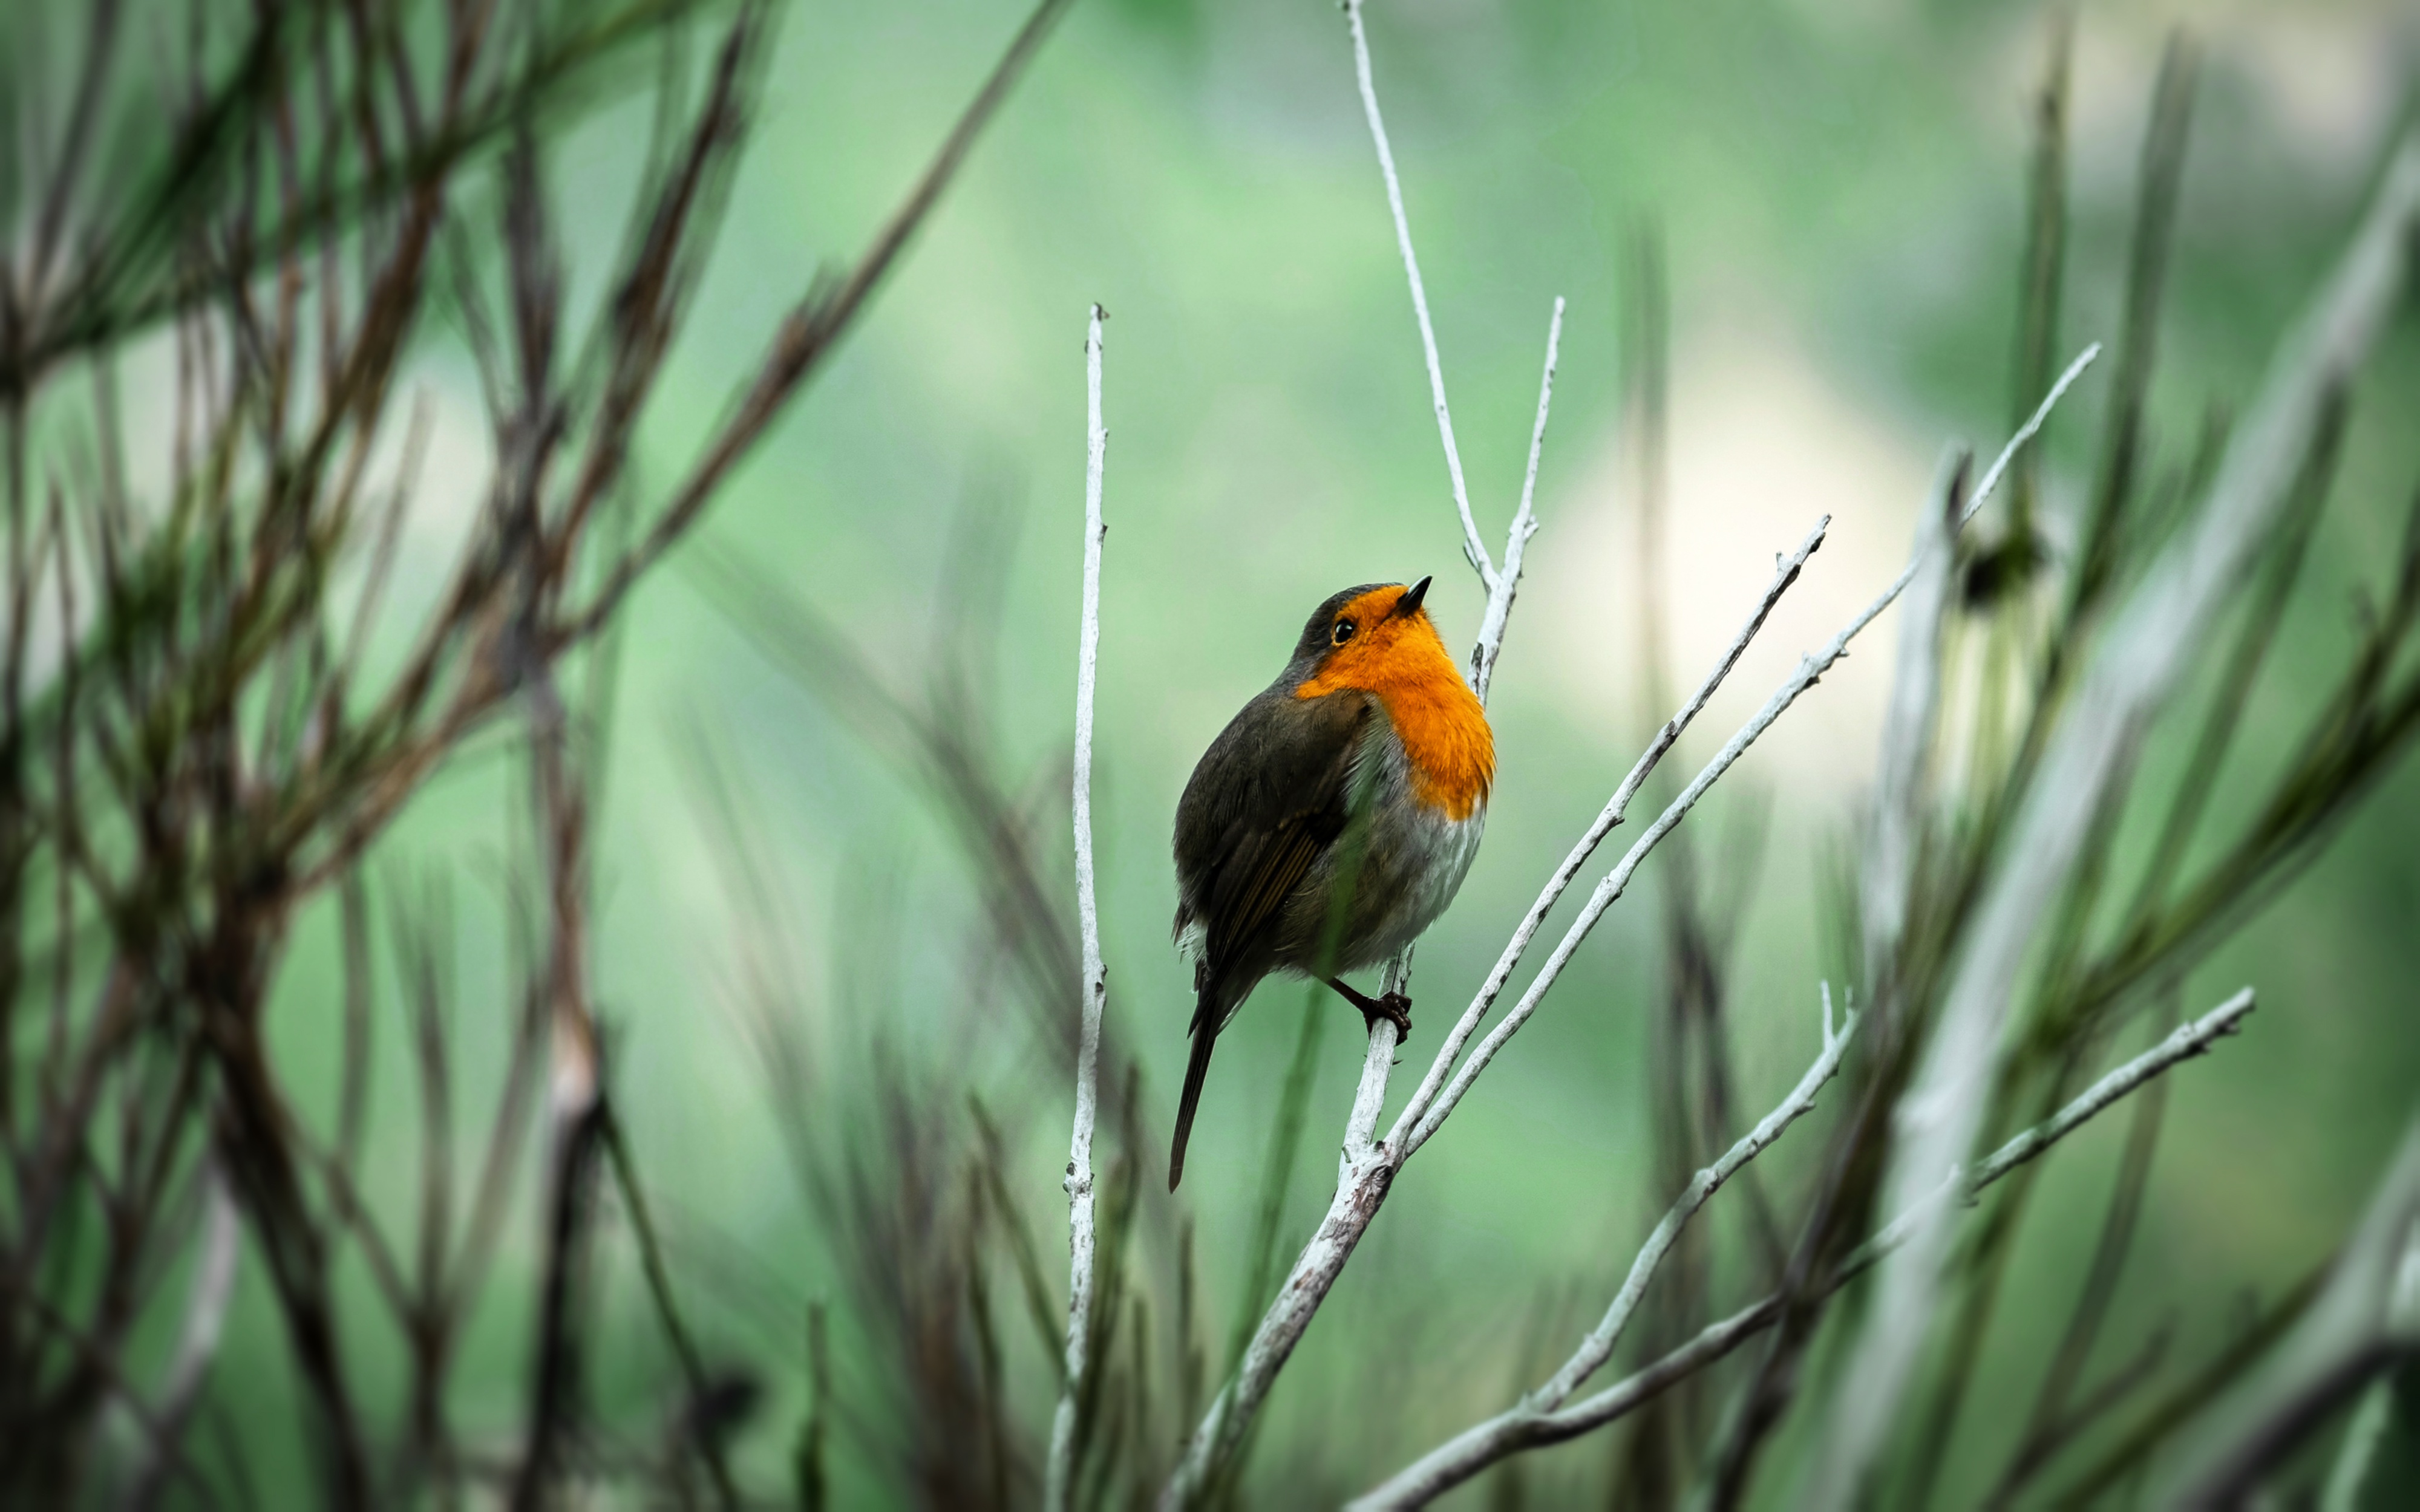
(1410, 603)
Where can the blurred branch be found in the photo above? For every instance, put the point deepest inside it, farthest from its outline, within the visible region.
(1687, 1068)
(668, 1313)
(950, 749)
(2044, 262)
(2154, 1426)
(2366, 1316)
(2161, 178)
(1908, 723)
(809, 330)
(2130, 676)
(1063, 1448)
(2053, 1422)
(197, 1340)
(576, 1109)
(141, 268)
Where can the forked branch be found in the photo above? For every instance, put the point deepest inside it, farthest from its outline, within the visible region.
(1481, 1445)
(1516, 1432)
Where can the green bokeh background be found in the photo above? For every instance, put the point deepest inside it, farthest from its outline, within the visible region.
(1841, 188)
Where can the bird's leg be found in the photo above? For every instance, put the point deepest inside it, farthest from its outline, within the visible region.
(1394, 1008)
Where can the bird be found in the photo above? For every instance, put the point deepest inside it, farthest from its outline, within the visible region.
(1332, 820)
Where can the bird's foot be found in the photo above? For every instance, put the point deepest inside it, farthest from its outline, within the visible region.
(1394, 1008)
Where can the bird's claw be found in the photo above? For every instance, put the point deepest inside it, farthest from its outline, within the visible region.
(1394, 1008)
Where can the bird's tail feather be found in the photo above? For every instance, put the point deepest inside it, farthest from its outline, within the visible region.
(1205, 1034)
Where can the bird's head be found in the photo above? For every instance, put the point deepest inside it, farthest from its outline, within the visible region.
(1368, 636)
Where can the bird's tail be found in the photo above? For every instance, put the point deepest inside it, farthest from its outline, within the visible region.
(1205, 1034)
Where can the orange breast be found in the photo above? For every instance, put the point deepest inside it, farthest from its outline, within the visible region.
(1403, 661)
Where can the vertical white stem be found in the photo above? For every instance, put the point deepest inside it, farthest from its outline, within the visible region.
(1525, 525)
(1095, 984)
(1471, 546)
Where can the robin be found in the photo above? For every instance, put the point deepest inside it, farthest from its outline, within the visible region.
(1332, 819)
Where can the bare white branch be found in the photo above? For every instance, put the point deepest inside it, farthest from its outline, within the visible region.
(1472, 546)
(2130, 676)
(2024, 433)
(1719, 1339)
(1465, 1455)
(1525, 525)
(1060, 1474)
(2186, 1041)
(1598, 1347)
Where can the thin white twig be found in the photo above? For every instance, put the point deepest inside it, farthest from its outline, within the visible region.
(1472, 546)
(2008, 454)
(1598, 1347)
(1525, 524)
(2186, 1041)
(1485, 1442)
(1061, 1476)
(1459, 1458)
(2130, 676)
(1784, 572)
(1419, 1118)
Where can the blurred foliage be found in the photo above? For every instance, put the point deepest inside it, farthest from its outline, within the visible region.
(823, 903)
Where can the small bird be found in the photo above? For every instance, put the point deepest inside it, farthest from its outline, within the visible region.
(1332, 820)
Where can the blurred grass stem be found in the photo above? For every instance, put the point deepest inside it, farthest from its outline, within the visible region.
(2130, 676)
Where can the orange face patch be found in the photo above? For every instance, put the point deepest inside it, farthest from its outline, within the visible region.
(1403, 661)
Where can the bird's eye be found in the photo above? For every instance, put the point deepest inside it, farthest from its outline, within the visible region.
(1343, 632)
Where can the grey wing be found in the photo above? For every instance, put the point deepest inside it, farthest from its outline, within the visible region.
(1267, 800)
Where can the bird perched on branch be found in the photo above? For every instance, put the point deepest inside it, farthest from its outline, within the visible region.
(1332, 819)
